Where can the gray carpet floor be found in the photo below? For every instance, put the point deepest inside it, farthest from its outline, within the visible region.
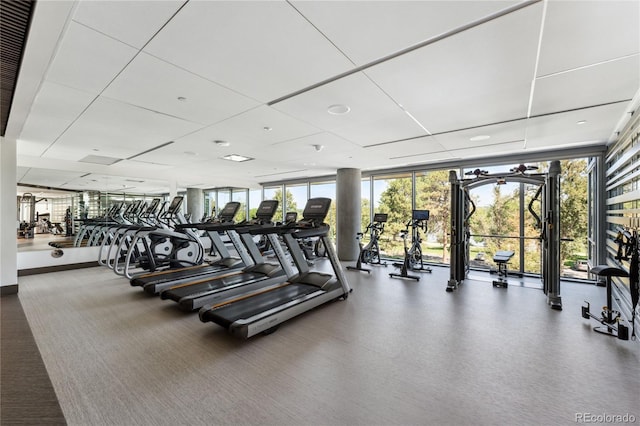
(27, 396)
(395, 353)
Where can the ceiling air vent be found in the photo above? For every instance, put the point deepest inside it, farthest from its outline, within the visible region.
(99, 159)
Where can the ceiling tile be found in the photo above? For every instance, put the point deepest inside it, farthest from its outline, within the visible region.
(563, 130)
(373, 116)
(261, 49)
(53, 110)
(486, 137)
(369, 30)
(474, 78)
(115, 129)
(607, 82)
(579, 33)
(132, 22)
(154, 84)
(88, 60)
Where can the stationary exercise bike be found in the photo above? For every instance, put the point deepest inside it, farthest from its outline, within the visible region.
(413, 255)
(371, 252)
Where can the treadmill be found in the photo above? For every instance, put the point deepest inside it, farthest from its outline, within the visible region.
(154, 282)
(262, 311)
(193, 295)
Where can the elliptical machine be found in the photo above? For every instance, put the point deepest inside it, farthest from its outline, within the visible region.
(413, 255)
(371, 252)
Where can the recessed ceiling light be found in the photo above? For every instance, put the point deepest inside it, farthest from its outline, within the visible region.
(236, 157)
(182, 98)
(479, 138)
(582, 121)
(338, 109)
(190, 153)
(221, 143)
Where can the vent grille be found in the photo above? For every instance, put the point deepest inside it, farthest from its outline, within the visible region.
(15, 16)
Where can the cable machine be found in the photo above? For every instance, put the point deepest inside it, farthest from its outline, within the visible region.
(462, 208)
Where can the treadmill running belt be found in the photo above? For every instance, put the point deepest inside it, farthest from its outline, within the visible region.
(213, 284)
(176, 275)
(246, 308)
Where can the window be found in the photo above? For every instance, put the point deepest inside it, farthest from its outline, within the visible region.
(393, 195)
(327, 190)
(240, 195)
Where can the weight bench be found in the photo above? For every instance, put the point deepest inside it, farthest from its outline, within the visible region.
(502, 258)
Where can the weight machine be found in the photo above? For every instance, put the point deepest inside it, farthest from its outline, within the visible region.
(462, 208)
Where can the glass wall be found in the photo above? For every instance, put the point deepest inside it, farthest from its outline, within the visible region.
(327, 190)
(275, 193)
(296, 198)
(255, 197)
(240, 195)
(433, 194)
(393, 195)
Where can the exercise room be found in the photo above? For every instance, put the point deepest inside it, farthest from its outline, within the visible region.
(319, 212)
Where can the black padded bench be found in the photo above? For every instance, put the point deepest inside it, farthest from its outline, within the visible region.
(502, 258)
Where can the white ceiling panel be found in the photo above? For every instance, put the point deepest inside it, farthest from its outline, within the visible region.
(256, 128)
(88, 60)
(485, 137)
(482, 152)
(373, 116)
(53, 110)
(263, 49)
(580, 33)
(607, 82)
(424, 149)
(120, 183)
(154, 84)
(474, 78)
(48, 177)
(132, 22)
(115, 129)
(564, 130)
(369, 30)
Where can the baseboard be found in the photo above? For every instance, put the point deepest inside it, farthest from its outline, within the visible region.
(7, 290)
(56, 268)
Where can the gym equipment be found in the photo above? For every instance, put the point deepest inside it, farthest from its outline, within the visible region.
(371, 252)
(413, 255)
(549, 222)
(609, 317)
(262, 311)
(257, 273)
(154, 282)
(628, 251)
(502, 258)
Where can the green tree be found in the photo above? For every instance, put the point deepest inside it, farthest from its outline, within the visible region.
(573, 208)
(433, 193)
(396, 202)
(291, 205)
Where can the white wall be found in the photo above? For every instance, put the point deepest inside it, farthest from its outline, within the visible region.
(8, 206)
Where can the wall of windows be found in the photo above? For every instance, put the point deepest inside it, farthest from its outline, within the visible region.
(501, 221)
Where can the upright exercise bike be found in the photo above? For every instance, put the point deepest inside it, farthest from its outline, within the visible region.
(413, 255)
(371, 252)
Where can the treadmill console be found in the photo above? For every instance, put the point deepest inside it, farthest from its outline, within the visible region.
(316, 209)
(175, 205)
(153, 206)
(291, 217)
(266, 210)
(380, 217)
(229, 211)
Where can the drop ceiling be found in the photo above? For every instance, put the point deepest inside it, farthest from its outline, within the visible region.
(151, 85)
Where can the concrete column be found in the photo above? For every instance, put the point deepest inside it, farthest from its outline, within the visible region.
(8, 218)
(195, 204)
(348, 203)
